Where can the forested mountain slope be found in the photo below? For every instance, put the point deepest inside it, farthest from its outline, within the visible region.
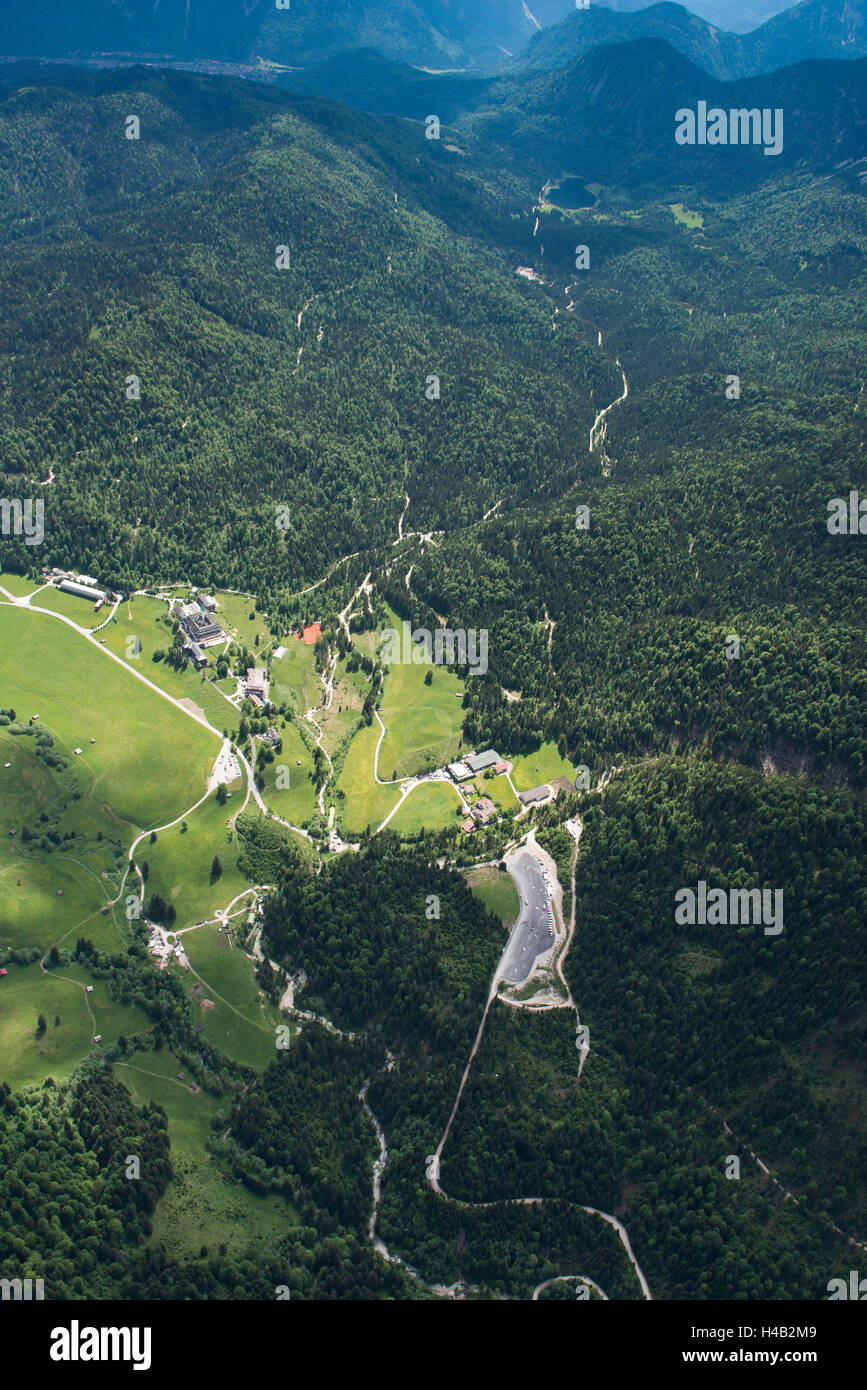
(439, 34)
(623, 477)
(611, 115)
(814, 29)
(305, 387)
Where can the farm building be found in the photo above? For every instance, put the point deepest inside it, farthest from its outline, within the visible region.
(459, 771)
(478, 762)
(208, 604)
(72, 586)
(534, 795)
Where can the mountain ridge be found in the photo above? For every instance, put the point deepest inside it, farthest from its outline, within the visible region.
(813, 29)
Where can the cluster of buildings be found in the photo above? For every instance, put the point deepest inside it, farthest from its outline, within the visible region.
(482, 813)
(200, 627)
(162, 949)
(81, 586)
(477, 762)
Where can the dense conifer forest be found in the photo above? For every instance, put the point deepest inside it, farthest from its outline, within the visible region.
(273, 305)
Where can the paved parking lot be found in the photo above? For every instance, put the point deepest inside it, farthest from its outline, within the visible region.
(533, 933)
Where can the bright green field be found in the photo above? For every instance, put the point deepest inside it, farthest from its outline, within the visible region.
(366, 802)
(180, 862)
(149, 760)
(147, 620)
(497, 891)
(31, 912)
(498, 789)
(684, 216)
(233, 615)
(202, 1205)
(293, 678)
(33, 915)
(423, 721)
(431, 805)
(236, 1025)
(80, 610)
(18, 585)
(296, 802)
(25, 993)
(532, 769)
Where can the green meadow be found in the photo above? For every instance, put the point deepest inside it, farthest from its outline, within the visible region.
(147, 765)
(297, 802)
(46, 894)
(428, 806)
(18, 584)
(203, 1205)
(293, 678)
(181, 861)
(497, 891)
(532, 769)
(26, 992)
(685, 217)
(350, 690)
(32, 913)
(145, 621)
(423, 721)
(80, 610)
(498, 789)
(233, 615)
(367, 803)
(149, 761)
(237, 1023)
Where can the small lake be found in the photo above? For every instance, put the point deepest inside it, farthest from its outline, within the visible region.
(571, 193)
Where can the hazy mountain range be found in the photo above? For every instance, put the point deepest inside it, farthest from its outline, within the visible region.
(610, 113)
(815, 29)
(440, 34)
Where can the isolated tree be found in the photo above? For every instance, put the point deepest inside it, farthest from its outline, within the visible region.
(216, 868)
(156, 908)
(41, 1025)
